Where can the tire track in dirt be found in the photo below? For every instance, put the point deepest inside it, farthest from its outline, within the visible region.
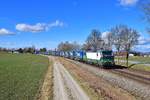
(65, 87)
(59, 89)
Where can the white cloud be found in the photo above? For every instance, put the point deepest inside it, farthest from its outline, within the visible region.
(31, 28)
(143, 48)
(128, 2)
(39, 27)
(144, 41)
(105, 36)
(7, 43)
(57, 23)
(4, 31)
(143, 45)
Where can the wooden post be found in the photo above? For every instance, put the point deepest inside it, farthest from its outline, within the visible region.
(127, 57)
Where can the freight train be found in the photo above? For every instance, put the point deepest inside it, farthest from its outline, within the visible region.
(103, 58)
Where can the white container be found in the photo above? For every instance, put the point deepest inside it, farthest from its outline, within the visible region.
(93, 55)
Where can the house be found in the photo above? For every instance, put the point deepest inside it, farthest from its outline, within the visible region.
(131, 55)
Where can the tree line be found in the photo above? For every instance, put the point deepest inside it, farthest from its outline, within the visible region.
(31, 50)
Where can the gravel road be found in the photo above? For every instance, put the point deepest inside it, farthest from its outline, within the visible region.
(139, 90)
(65, 87)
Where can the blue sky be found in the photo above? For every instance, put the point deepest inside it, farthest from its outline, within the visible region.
(45, 23)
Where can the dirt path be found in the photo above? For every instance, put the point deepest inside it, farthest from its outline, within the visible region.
(65, 87)
(59, 89)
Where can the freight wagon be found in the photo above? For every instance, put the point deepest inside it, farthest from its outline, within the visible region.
(104, 58)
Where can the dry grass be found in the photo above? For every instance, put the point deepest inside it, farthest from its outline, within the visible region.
(46, 90)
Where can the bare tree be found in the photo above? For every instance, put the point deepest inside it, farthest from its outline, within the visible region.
(66, 46)
(145, 5)
(60, 46)
(124, 38)
(86, 46)
(117, 41)
(76, 46)
(130, 39)
(94, 41)
(108, 40)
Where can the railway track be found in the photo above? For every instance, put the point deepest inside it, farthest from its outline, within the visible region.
(132, 75)
(139, 71)
(142, 77)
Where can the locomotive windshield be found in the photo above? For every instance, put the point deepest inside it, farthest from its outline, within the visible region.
(107, 53)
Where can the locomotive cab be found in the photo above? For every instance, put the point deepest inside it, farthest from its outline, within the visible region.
(107, 58)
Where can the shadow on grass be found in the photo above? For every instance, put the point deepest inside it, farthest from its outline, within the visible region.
(115, 67)
(137, 64)
(132, 65)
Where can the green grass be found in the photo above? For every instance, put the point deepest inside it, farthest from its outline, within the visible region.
(21, 75)
(140, 59)
(140, 65)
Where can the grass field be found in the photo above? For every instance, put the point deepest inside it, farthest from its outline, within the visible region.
(145, 60)
(21, 75)
(141, 61)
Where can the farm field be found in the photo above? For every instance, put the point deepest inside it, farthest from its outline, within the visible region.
(21, 75)
(140, 59)
(142, 63)
(145, 60)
